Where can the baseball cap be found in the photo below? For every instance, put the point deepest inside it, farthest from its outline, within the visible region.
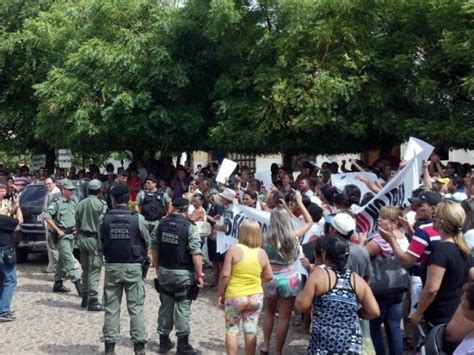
(180, 202)
(343, 224)
(66, 184)
(94, 185)
(429, 197)
(228, 194)
(119, 190)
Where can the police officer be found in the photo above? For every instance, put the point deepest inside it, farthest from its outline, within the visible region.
(88, 213)
(61, 219)
(152, 203)
(125, 240)
(176, 251)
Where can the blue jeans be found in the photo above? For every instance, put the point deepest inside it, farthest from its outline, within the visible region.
(7, 285)
(390, 316)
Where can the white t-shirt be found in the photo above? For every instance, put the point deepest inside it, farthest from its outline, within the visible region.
(315, 231)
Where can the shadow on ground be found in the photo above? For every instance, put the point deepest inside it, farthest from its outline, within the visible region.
(34, 288)
(71, 349)
(60, 304)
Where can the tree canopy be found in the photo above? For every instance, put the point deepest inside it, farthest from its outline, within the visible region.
(314, 76)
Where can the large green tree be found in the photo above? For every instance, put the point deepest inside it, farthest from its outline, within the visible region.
(316, 76)
(342, 76)
(121, 83)
(22, 64)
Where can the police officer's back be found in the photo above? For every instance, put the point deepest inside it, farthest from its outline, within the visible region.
(88, 213)
(125, 239)
(176, 250)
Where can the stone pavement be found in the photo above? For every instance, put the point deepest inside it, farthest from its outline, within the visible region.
(52, 323)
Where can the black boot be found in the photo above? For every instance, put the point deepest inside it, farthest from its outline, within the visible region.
(78, 287)
(184, 348)
(94, 305)
(165, 344)
(84, 302)
(139, 348)
(59, 287)
(109, 348)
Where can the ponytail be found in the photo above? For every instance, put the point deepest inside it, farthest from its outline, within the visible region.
(462, 244)
(452, 217)
(341, 261)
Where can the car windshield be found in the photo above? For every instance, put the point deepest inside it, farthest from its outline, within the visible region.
(33, 196)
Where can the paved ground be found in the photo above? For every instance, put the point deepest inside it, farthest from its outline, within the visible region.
(51, 323)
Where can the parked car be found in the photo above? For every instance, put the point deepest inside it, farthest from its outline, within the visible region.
(33, 237)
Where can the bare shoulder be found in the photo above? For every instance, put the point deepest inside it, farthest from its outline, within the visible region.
(359, 283)
(262, 256)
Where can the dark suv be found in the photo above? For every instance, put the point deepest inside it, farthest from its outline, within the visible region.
(33, 238)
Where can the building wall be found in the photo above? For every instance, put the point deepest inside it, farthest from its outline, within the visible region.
(462, 156)
(264, 162)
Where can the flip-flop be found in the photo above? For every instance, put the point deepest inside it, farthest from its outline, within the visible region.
(264, 352)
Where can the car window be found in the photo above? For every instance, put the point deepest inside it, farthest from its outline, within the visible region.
(33, 196)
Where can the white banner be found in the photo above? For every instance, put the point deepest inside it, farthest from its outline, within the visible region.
(240, 213)
(342, 180)
(395, 193)
(226, 169)
(417, 147)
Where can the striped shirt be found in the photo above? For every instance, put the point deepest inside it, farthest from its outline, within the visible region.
(421, 245)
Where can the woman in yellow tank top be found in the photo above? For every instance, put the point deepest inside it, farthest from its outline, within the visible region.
(246, 266)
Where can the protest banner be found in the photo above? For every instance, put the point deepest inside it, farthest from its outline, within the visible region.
(419, 148)
(240, 213)
(395, 193)
(226, 169)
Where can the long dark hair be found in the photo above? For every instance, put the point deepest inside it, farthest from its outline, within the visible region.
(334, 249)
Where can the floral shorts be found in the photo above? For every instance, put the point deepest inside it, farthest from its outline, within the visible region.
(246, 308)
(285, 283)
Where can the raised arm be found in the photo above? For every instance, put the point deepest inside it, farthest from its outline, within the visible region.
(426, 175)
(307, 218)
(405, 258)
(357, 166)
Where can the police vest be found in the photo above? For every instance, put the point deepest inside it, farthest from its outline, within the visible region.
(173, 234)
(122, 237)
(153, 205)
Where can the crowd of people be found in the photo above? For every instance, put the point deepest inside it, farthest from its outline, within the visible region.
(415, 269)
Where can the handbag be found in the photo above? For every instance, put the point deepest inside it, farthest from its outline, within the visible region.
(9, 256)
(388, 276)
